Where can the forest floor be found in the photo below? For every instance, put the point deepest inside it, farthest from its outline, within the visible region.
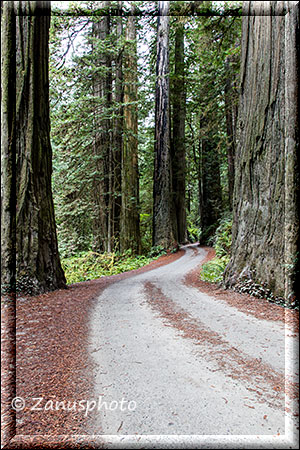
(155, 352)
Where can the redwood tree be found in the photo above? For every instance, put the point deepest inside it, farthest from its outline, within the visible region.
(102, 138)
(266, 192)
(38, 267)
(162, 188)
(8, 149)
(130, 224)
(178, 137)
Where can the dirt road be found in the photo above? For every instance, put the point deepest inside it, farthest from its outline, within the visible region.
(171, 360)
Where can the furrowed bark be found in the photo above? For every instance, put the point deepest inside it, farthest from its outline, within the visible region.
(162, 188)
(102, 140)
(118, 140)
(130, 229)
(8, 222)
(8, 149)
(266, 221)
(178, 143)
(37, 259)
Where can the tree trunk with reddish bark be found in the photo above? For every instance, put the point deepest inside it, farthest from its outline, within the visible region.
(265, 245)
(162, 189)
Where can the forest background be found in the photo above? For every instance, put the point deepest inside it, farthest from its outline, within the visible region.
(204, 55)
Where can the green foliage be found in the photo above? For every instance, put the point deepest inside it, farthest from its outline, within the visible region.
(91, 265)
(213, 270)
(146, 232)
(156, 251)
(194, 232)
(223, 237)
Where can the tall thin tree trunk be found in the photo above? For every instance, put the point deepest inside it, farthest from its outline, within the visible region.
(178, 142)
(102, 140)
(229, 112)
(130, 230)
(37, 260)
(162, 187)
(118, 137)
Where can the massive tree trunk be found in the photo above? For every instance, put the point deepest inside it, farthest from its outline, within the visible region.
(162, 188)
(102, 140)
(37, 259)
(266, 222)
(130, 229)
(178, 143)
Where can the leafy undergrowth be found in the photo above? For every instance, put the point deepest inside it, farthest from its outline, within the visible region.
(213, 270)
(91, 265)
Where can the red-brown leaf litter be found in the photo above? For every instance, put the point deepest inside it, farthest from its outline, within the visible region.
(52, 361)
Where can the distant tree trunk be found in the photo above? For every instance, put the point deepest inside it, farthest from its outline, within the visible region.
(102, 140)
(162, 189)
(178, 142)
(210, 200)
(37, 260)
(197, 158)
(130, 229)
(118, 139)
(230, 113)
(266, 221)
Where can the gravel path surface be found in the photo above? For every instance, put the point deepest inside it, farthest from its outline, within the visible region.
(174, 361)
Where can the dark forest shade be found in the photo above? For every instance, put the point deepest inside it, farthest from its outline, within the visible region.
(210, 200)
(38, 267)
(266, 221)
(162, 183)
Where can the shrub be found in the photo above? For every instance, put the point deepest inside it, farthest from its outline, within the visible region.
(157, 250)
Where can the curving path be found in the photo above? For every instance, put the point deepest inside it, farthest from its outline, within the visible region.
(189, 364)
